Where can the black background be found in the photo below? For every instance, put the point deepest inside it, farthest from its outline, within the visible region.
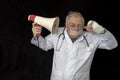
(20, 60)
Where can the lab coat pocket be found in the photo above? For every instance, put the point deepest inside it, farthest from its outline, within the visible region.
(83, 51)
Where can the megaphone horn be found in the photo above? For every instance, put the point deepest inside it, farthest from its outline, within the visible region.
(49, 23)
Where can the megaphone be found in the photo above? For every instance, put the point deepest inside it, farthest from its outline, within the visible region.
(49, 23)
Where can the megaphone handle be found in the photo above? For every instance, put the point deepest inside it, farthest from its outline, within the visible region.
(37, 35)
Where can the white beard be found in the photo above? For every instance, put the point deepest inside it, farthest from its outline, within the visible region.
(75, 33)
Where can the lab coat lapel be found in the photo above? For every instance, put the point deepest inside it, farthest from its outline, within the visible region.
(67, 38)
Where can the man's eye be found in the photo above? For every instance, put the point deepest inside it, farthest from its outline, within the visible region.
(72, 25)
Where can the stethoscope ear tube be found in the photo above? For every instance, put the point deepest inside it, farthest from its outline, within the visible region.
(58, 48)
(86, 41)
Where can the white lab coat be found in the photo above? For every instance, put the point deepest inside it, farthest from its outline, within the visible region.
(73, 60)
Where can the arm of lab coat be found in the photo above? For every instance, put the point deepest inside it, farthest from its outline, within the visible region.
(43, 43)
(107, 41)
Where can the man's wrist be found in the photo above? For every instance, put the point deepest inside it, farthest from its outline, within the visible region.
(35, 38)
(104, 31)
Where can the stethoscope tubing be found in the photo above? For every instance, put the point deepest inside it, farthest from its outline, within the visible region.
(58, 48)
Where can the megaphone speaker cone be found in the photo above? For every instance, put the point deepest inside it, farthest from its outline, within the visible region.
(49, 23)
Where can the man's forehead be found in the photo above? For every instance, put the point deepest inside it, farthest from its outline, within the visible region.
(75, 20)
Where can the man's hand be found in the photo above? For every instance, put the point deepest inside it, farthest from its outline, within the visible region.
(36, 29)
(93, 26)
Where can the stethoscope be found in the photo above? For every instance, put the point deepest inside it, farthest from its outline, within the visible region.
(62, 34)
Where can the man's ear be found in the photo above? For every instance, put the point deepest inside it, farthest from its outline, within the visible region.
(84, 28)
(65, 24)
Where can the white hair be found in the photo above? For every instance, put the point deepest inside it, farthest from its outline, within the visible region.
(74, 14)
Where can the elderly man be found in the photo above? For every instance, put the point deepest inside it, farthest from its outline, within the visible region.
(74, 47)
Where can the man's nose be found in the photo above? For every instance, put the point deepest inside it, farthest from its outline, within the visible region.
(76, 28)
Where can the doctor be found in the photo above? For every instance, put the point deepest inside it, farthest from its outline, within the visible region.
(74, 48)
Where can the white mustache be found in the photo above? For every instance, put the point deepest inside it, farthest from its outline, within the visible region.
(75, 33)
